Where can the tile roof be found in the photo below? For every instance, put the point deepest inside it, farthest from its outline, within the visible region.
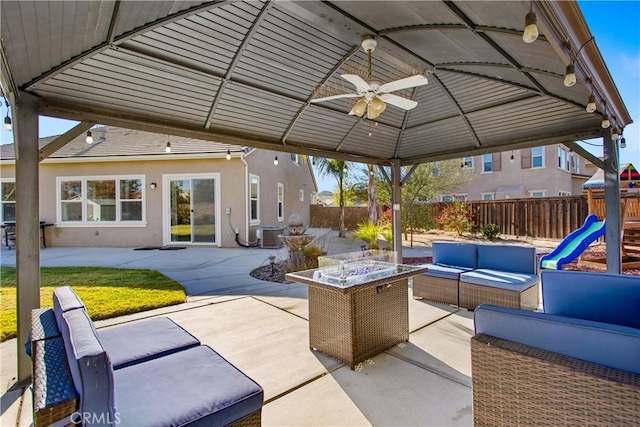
(119, 142)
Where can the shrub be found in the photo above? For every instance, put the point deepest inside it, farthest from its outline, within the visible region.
(387, 234)
(456, 217)
(368, 232)
(311, 254)
(490, 231)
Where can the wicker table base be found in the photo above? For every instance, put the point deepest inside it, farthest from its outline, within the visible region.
(355, 326)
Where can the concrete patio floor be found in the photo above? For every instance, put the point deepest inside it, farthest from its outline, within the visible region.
(262, 328)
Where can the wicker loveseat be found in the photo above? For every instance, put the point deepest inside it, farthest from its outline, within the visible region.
(578, 363)
(468, 274)
(145, 373)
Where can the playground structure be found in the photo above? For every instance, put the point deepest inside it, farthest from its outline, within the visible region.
(593, 228)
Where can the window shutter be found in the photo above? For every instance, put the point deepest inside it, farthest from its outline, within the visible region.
(526, 158)
(497, 164)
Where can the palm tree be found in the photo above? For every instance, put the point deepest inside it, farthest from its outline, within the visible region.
(338, 169)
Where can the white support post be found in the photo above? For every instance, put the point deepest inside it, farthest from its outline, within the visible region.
(396, 206)
(27, 222)
(612, 203)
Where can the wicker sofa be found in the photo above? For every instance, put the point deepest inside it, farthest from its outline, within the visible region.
(578, 363)
(146, 373)
(468, 274)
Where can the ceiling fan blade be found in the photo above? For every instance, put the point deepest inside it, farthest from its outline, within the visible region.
(413, 81)
(341, 96)
(357, 81)
(398, 101)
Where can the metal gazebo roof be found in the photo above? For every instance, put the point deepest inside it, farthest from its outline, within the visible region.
(245, 72)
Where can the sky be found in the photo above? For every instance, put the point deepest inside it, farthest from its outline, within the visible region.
(615, 25)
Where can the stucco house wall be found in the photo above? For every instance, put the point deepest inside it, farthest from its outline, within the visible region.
(155, 169)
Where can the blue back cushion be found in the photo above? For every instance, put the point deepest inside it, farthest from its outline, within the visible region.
(517, 259)
(90, 367)
(608, 298)
(64, 299)
(453, 253)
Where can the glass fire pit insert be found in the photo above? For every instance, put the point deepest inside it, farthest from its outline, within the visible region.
(353, 273)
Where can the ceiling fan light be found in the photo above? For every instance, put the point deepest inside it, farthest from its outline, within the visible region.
(570, 76)
(375, 108)
(359, 108)
(591, 104)
(530, 28)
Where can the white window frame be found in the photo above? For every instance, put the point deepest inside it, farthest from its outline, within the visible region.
(301, 195)
(541, 155)
(464, 162)
(484, 162)
(280, 202)
(564, 159)
(492, 196)
(295, 158)
(564, 193)
(4, 181)
(576, 163)
(255, 221)
(543, 193)
(85, 223)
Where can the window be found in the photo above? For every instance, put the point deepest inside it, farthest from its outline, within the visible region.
(100, 200)
(280, 202)
(564, 159)
(488, 196)
(487, 163)
(453, 197)
(564, 193)
(295, 158)
(435, 169)
(254, 199)
(467, 162)
(575, 163)
(537, 157)
(302, 195)
(446, 198)
(537, 193)
(8, 212)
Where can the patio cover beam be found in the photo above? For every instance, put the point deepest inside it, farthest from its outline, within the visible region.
(612, 204)
(584, 153)
(64, 139)
(27, 223)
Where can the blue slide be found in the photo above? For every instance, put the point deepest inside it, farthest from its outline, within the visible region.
(574, 244)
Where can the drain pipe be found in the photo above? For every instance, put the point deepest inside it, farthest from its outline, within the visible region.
(246, 198)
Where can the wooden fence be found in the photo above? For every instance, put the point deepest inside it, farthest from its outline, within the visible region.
(547, 217)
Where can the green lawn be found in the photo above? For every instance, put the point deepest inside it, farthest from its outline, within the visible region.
(106, 292)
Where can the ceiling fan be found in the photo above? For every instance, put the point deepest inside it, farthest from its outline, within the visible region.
(374, 95)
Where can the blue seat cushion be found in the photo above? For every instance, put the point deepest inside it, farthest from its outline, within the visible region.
(453, 253)
(444, 271)
(89, 365)
(143, 340)
(195, 387)
(596, 342)
(500, 279)
(43, 327)
(517, 259)
(608, 298)
(64, 299)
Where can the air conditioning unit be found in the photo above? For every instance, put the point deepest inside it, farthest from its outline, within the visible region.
(269, 236)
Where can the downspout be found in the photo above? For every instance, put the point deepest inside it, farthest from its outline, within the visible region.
(246, 199)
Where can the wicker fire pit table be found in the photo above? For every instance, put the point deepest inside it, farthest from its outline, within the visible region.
(357, 309)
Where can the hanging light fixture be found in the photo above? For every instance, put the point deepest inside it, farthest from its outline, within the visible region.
(228, 156)
(530, 26)
(7, 122)
(570, 75)
(359, 108)
(591, 104)
(344, 169)
(375, 108)
(512, 159)
(605, 122)
(313, 162)
(614, 134)
(623, 142)
(89, 138)
(275, 161)
(167, 149)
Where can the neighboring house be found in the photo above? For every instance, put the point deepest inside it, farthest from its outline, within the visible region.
(325, 198)
(547, 171)
(126, 190)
